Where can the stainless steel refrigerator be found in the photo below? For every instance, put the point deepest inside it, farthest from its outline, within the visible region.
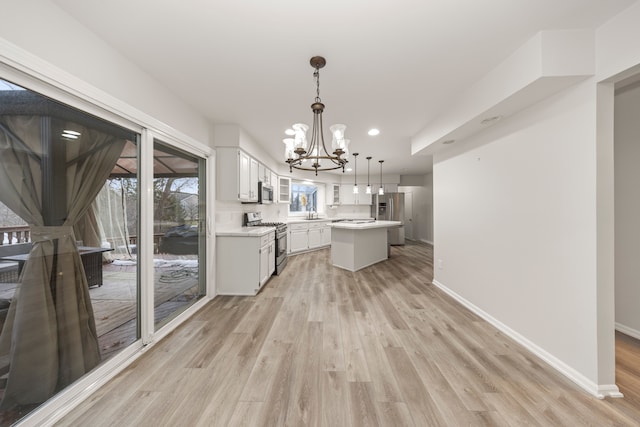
(390, 207)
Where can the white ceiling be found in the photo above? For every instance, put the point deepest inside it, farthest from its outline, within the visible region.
(391, 64)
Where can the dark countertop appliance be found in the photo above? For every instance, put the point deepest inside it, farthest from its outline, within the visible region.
(265, 193)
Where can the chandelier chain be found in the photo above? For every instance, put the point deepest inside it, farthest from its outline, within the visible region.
(316, 74)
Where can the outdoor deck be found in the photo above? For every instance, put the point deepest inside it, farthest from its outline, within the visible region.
(115, 303)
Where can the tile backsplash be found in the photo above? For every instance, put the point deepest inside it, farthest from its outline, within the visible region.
(229, 214)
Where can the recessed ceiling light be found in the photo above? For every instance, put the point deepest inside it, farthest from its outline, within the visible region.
(449, 141)
(373, 132)
(490, 120)
(70, 134)
(348, 170)
(290, 132)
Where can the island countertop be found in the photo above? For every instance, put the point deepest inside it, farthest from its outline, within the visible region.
(365, 225)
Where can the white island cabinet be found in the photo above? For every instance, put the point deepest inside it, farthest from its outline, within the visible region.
(245, 259)
(359, 244)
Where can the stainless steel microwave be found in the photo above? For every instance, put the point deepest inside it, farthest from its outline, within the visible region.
(265, 193)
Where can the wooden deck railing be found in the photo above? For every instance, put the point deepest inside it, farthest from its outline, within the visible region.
(15, 234)
(10, 235)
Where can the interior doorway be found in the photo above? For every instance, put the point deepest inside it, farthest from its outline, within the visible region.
(408, 215)
(627, 232)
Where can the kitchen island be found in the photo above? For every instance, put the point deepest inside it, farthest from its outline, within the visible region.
(359, 244)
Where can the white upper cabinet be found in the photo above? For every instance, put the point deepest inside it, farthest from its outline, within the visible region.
(236, 175)
(244, 176)
(333, 194)
(363, 197)
(284, 189)
(347, 197)
(253, 179)
(264, 174)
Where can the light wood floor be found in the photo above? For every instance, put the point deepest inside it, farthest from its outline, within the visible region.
(323, 346)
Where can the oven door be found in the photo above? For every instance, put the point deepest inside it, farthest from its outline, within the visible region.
(281, 246)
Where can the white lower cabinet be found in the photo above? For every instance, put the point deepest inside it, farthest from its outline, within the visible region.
(244, 263)
(311, 235)
(326, 235)
(267, 261)
(272, 257)
(315, 236)
(264, 264)
(299, 237)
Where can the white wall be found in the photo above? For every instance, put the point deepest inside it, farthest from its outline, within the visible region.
(45, 31)
(515, 227)
(627, 211)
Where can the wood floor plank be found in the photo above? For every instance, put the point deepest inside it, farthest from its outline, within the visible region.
(246, 414)
(305, 406)
(278, 396)
(324, 346)
(383, 382)
(395, 414)
(332, 347)
(361, 402)
(263, 372)
(355, 362)
(440, 391)
(415, 395)
(334, 393)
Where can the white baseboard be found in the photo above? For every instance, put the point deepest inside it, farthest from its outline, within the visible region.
(633, 333)
(429, 242)
(598, 390)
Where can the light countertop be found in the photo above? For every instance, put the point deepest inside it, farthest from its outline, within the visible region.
(322, 219)
(348, 225)
(244, 231)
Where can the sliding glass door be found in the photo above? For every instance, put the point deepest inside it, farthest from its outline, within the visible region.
(178, 228)
(65, 307)
(102, 242)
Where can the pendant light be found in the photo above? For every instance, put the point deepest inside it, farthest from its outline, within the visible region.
(381, 190)
(368, 169)
(355, 173)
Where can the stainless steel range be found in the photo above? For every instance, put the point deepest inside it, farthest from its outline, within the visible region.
(254, 219)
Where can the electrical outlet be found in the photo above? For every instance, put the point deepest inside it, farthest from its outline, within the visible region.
(440, 264)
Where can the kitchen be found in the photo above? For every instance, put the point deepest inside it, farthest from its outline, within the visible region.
(250, 192)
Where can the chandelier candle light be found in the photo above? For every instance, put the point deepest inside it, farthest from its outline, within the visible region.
(298, 150)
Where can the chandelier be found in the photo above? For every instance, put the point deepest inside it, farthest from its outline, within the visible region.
(304, 155)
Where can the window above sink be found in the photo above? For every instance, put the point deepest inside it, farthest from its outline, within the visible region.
(306, 197)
